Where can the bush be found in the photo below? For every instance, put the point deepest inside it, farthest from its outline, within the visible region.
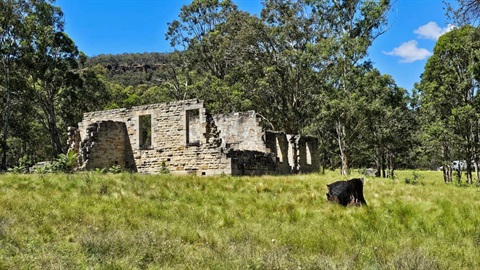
(414, 179)
(65, 163)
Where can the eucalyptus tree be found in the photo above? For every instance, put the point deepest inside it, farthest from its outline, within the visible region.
(211, 34)
(52, 59)
(293, 52)
(449, 97)
(467, 11)
(351, 27)
(11, 34)
(390, 122)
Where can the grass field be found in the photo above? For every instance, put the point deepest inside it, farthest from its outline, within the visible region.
(129, 221)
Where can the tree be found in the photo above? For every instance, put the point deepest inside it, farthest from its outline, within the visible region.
(288, 63)
(288, 49)
(52, 58)
(217, 40)
(351, 27)
(449, 97)
(11, 34)
(468, 11)
(390, 122)
(198, 32)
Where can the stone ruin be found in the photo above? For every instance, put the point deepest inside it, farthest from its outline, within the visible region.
(183, 138)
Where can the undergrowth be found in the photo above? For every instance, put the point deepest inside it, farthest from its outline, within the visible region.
(131, 221)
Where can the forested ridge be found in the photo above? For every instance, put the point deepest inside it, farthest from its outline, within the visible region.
(302, 65)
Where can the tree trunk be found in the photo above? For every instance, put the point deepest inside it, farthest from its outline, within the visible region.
(54, 136)
(378, 160)
(3, 166)
(378, 166)
(340, 129)
(469, 171)
(391, 166)
(475, 166)
(447, 173)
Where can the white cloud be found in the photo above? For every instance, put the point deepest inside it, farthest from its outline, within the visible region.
(432, 31)
(409, 52)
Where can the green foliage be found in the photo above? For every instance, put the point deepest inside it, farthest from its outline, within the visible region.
(65, 162)
(115, 169)
(18, 169)
(181, 222)
(414, 179)
(164, 169)
(22, 167)
(449, 96)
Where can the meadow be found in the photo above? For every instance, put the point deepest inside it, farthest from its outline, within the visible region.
(131, 221)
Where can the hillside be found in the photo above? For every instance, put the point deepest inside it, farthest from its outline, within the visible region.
(132, 69)
(129, 221)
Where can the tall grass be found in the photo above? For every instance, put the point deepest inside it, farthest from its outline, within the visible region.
(129, 221)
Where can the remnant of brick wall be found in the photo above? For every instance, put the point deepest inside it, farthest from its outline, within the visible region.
(279, 144)
(308, 154)
(74, 139)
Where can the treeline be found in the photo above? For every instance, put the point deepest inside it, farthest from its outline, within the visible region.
(302, 65)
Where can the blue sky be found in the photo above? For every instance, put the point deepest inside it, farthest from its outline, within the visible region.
(131, 26)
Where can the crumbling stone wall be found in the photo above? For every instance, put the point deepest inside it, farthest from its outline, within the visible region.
(105, 145)
(307, 152)
(241, 131)
(184, 138)
(177, 141)
(246, 162)
(294, 153)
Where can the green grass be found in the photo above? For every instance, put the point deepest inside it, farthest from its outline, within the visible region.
(128, 221)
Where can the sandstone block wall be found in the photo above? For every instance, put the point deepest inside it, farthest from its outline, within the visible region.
(105, 145)
(183, 138)
(241, 131)
(294, 153)
(246, 162)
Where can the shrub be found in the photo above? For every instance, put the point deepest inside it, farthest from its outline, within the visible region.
(115, 169)
(414, 179)
(65, 162)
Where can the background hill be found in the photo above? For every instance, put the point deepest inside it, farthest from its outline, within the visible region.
(132, 69)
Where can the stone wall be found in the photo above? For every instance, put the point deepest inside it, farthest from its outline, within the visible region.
(105, 145)
(294, 153)
(183, 138)
(241, 131)
(247, 162)
(177, 141)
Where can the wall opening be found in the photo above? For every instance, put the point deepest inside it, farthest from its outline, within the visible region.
(193, 131)
(279, 150)
(145, 131)
(308, 153)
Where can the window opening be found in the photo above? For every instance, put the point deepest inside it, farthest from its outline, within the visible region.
(145, 135)
(193, 127)
(279, 150)
(308, 154)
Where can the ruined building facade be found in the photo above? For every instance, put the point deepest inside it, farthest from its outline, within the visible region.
(181, 137)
